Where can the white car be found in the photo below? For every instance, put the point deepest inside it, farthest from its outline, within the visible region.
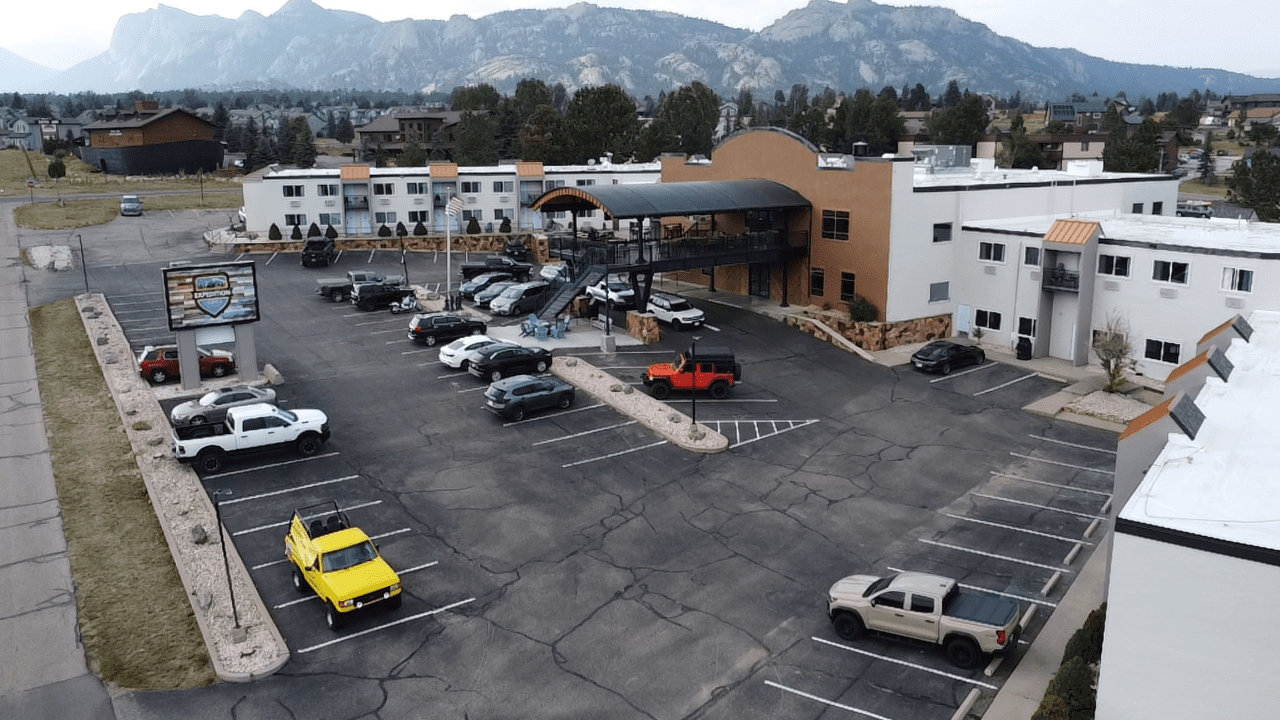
(675, 310)
(620, 293)
(456, 353)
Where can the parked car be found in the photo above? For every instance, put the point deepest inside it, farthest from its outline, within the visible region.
(554, 272)
(469, 288)
(516, 250)
(1179, 172)
(340, 563)
(717, 371)
(620, 294)
(496, 263)
(486, 296)
(374, 295)
(212, 407)
(1195, 208)
(457, 353)
(250, 429)
(519, 299)
(675, 310)
(944, 356)
(158, 364)
(498, 361)
(517, 396)
(319, 252)
(432, 329)
(130, 205)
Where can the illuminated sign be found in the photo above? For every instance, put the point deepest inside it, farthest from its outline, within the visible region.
(200, 296)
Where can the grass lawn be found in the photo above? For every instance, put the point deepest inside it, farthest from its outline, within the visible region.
(1196, 187)
(51, 215)
(135, 618)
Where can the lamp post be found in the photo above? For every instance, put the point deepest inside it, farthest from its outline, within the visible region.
(84, 265)
(222, 540)
(401, 230)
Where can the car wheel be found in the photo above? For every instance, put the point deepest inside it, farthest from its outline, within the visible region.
(431, 340)
(847, 625)
(159, 376)
(337, 296)
(299, 583)
(308, 444)
(474, 331)
(719, 390)
(199, 420)
(333, 618)
(963, 652)
(565, 401)
(946, 368)
(541, 366)
(220, 370)
(661, 390)
(982, 357)
(395, 602)
(495, 376)
(515, 414)
(210, 460)
(365, 305)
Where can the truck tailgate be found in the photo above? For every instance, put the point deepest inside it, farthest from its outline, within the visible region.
(981, 608)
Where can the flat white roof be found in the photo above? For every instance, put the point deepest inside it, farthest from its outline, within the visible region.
(969, 177)
(1225, 483)
(625, 168)
(1202, 233)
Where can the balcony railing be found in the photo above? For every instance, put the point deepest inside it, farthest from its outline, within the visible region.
(355, 202)
(1059, 279)
(617, 251)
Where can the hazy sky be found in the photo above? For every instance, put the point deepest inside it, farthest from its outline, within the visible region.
(1238, 36)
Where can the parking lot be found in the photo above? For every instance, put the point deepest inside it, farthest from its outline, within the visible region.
(575, 565)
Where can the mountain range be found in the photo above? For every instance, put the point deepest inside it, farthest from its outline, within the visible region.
(845, 46)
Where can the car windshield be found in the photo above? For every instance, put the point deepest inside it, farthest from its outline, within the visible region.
(618, 287)
(878, 585)
(288, 415)
(208, 399)
(679, 305)
(349, 557)
(512, 293)
(933, 351)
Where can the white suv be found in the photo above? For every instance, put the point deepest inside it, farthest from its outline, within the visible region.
(675, 310)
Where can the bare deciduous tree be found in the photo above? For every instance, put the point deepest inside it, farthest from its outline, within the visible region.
(1114, 351)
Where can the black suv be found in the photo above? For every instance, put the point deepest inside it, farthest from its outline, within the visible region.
(319, 252)
(431, 329)
(498, 361)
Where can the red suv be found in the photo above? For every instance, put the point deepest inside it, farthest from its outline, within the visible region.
(158, 364)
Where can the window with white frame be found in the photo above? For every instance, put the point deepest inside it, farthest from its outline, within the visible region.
(991, 251)
(417, 188)
(384, 189)
(986, 319)
(1237, 279)
(942, 232)
(384, 218)
(939, 292)
(1031, 256)
(468, 214)
(295, 219)
(294, 190)
(326, 190)
(1117, 265)
(835, 224)
(504, 186)
(504, 214)
(586, 182)
(1169, 271)
(552, 184)
(418, 216)
(1027, 326)
(469, 186)
(1162, 351)
(330, 218)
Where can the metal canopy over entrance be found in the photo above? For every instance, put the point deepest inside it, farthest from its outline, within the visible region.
(670, 199)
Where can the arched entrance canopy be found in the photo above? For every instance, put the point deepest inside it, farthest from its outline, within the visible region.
(647, 200)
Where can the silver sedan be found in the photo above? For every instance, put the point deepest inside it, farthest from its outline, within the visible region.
(212, 407)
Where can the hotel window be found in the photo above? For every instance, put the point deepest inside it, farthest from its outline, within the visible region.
(295, 219)
(416, 188)
(1117, 265)
(384, 189)
(986, 319)
(817, 282)
(942, 232)
(330, 218)
(552, 184)
(994, 252)
(1237, 279)
(1161, 351)
(327, 190)
(1032, 256)
(294, 190)
(503, 186)
(835, 224)
(1027, 326)
(503, 214)
(586, 183)
(1157, 208)
(1137, 208)
(384, 218)
(847, 287)
(418, 216)
(470, 187)
(1171, 272)
(467, 215)
(939, 292)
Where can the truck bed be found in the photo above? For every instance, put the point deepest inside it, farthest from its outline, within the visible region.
(980, 608)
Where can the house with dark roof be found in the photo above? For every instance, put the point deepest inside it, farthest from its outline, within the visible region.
(390, 134)
(149, 141)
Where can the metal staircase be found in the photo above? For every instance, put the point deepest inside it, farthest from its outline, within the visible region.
(567, 292)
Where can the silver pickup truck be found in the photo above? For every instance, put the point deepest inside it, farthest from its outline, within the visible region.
(925, 607)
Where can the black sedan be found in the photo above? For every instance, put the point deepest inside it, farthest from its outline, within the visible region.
(498, 361)
(517, 396)
(469, 288)
(943, 356)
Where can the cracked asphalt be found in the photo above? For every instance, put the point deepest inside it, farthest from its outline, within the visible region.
(655, 584)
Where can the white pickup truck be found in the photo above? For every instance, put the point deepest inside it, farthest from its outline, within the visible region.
(925, 607)
(250, 428)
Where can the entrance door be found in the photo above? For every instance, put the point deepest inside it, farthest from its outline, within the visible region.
(758, 283)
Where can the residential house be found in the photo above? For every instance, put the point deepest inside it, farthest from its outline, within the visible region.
(149, 140)
(1059, 150)
(1082, 115)
(390, 134)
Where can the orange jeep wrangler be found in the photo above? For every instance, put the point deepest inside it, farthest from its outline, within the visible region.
(716, 371)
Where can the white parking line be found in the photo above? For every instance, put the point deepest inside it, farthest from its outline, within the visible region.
(265, 467)
(401, 621)
(712, 328)
(474, 389)
(712, 402)
(904, 663)
(1061, 464)
(1060, 486)
(384, 332)
(1071, 444)
(282, 561)
(308, 486)
(815, 698)
(376, 322)
(971, 370)
(394, 342)
(613, 455)
(1037, 601)
(552, 415)
(238, 533)
(1005, 385)
(586, 432)
(401, 573)
(1042, 507)
(995, 556)
(1016, 529)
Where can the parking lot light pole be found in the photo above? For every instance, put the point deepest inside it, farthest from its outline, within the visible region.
(222, 540)
(84, 265)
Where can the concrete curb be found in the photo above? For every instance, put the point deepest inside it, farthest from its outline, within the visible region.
(656, 415)
(181, 504)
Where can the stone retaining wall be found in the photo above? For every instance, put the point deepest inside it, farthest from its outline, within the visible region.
(873, 336)
(488, 244)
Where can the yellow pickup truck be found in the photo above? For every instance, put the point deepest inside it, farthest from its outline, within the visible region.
(339, 562)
